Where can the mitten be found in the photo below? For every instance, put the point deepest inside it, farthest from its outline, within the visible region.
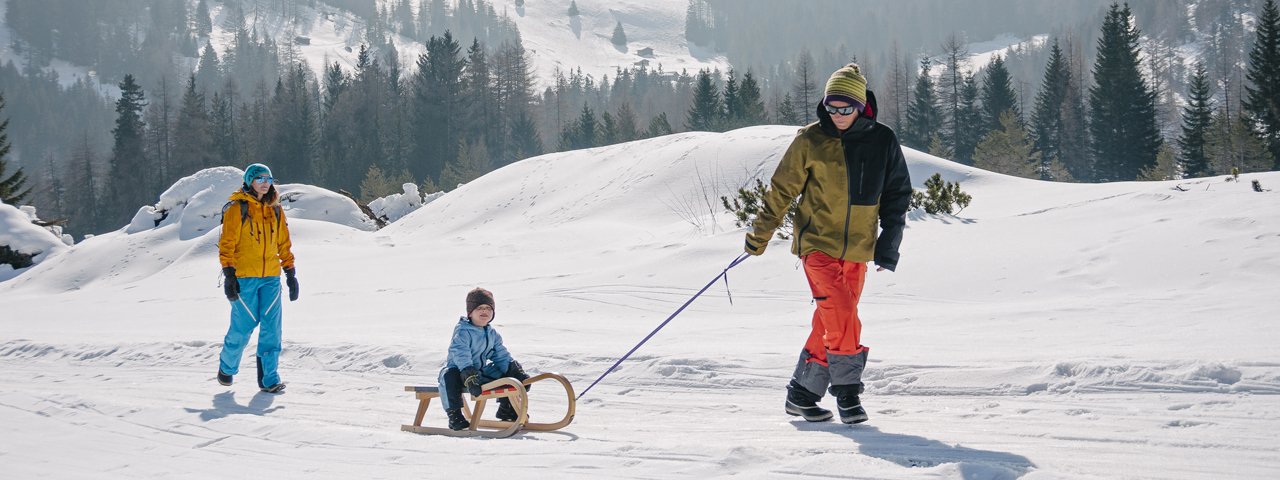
(516, 371)
(292, 281)
(755, 245)
(230, 285)
(471, 380)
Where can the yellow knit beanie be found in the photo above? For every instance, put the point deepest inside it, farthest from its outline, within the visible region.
(847, 84)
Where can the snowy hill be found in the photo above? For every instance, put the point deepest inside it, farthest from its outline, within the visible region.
(1047, 331)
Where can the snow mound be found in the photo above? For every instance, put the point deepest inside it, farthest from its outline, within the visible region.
(195, 203)
(395, 206)
(18, 234)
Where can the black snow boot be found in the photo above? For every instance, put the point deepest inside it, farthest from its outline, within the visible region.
(803, 403)
(850, 406)
(224, 379)
(506, 412)
(456, 420)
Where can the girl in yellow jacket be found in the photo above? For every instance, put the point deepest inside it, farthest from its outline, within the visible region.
(253, 250)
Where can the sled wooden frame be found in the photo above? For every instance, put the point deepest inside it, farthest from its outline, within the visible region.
(506, 387)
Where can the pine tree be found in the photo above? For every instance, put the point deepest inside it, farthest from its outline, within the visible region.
(619, 36)
(437, 92)
(787, 111)
(659, 126)
(1122, 106)
(82, 194)
(193, 147)
(1165, 168)
(472, 163)
(704, 114)
(608, 129)
(525, 140)
(1076, 156)
(804, 89)
(731, 113)
(222, 130)
(209, 73)
(573, 8)
(159, 134)
(923, 118)
(204, 25)
(1046, 118)
(581, 133)
(293, 116)
(969, 117)
(485, 111)
(750, 102)
(125, 191)
(1196, 117)
(628, 129)
(12, 185)
(376, 184)
(1263, 100)
(998, 95)
(1007, 150)
(1230, 143)
(950, 89)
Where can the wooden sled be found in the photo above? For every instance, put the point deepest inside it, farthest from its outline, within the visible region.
(505, 387)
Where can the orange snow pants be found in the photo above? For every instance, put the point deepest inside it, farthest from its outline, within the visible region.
(837, 287)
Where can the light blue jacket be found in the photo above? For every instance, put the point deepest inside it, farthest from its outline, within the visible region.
(477, 347)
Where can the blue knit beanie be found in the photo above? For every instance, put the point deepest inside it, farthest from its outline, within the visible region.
(254, 171)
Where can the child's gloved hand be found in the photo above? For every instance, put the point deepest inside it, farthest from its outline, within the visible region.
(516, 371)
(471, 380)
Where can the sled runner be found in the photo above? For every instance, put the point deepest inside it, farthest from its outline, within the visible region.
(505, 387)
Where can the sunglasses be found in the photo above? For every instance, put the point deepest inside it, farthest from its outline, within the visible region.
(834, 110)
(264, 179)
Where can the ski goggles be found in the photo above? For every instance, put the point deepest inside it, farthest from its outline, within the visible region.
(264, 179)
(834, 110)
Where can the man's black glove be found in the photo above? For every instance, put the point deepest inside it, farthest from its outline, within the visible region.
(230, 285)
(292, 281)
(516, 371)
(471, 380)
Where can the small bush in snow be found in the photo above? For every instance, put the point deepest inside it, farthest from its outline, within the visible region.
(939, 196)
(748, 204)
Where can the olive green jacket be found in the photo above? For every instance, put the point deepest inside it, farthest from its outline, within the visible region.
(846, 181)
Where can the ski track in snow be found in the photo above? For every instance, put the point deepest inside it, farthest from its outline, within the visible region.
(348, 412)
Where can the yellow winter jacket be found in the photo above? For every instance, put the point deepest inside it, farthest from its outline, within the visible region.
(847, 182)
(257, 243)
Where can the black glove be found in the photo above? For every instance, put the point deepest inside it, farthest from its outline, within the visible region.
(516, 371)
(230, 285)
(292, 281)
(471, 380)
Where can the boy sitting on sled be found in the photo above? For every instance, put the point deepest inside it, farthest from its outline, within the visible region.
(476, 357)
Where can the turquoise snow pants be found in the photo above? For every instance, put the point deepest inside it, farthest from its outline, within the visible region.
(257, 307)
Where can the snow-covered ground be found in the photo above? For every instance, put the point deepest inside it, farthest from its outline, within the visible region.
(1121, 330)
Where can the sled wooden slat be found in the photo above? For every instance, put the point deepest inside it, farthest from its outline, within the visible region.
(506, 387)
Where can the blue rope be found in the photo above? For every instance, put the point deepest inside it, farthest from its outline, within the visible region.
(724, 273)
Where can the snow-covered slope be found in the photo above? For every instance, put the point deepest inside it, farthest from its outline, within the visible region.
(1047, 331)
(554, 39)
